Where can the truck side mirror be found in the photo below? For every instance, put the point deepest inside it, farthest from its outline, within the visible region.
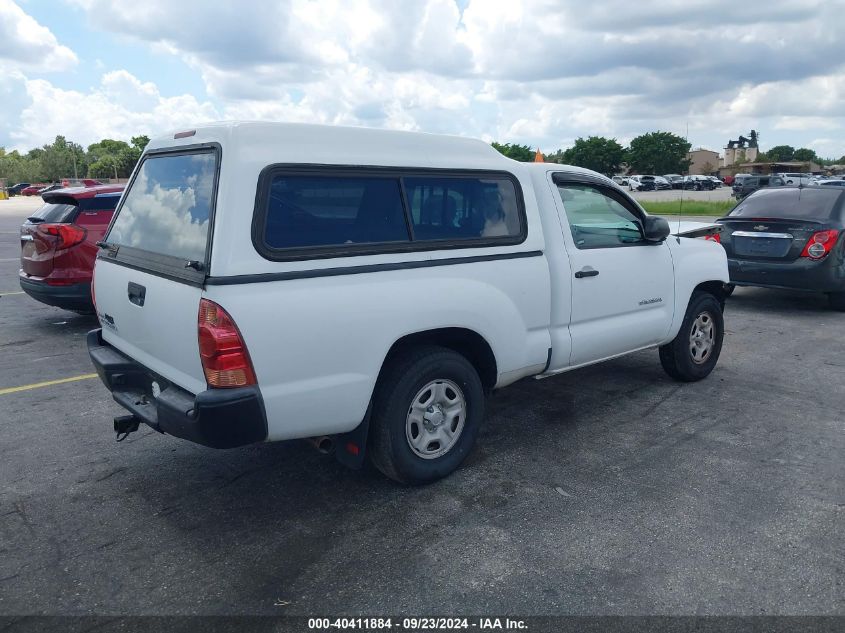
(655, 229)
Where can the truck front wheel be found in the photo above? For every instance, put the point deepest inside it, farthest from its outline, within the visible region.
(427, 410)
(694, 352)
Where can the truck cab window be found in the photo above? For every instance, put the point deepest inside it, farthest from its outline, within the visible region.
(597, 220)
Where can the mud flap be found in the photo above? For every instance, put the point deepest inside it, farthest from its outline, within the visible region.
(351, 447)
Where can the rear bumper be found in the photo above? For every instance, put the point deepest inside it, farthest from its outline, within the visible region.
(219, 418)
(827, 275)
(73, 297)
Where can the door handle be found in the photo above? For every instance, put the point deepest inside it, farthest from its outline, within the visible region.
(137, 294)
(586, 272)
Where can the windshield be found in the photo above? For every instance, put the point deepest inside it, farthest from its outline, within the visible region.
(167, 209)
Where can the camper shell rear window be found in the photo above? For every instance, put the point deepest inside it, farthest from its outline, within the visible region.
(164, 220)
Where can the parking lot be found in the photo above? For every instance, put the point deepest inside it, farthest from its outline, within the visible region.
(610, 490)
(721, 193)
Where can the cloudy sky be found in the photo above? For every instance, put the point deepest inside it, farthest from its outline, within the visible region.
(540, 72)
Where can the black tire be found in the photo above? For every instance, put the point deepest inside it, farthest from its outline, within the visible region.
(401, 380)
(677, 358)
(728, 289)
(837, 301)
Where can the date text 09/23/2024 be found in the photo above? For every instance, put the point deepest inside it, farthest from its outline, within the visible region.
(416, 624)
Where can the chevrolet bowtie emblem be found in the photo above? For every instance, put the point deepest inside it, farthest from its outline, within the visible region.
(760, 227)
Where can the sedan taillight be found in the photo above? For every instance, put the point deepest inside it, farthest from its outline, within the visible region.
(820, 244)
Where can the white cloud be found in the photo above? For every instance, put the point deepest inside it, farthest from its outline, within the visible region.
(27, 45)
(541, 72)
(121, 107)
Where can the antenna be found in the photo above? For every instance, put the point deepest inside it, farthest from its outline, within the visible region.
(681, 204)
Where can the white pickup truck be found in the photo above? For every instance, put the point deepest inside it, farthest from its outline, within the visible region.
(367, 289)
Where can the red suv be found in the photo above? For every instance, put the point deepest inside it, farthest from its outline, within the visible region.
(59, 245)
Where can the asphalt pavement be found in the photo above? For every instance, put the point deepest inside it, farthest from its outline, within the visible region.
(609, 490)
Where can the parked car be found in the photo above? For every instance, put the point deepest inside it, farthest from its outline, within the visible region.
(367, 288)
(622, 181)
(661, 184)
(33, 190)
(829, 183)
(796, 178)
(674, 180)
(789, 238)
(697, 183)
(16, 189)
(59, 245)
(716, 182)
(49, 188)
(728, 180)
(746, 186)
(641, 183)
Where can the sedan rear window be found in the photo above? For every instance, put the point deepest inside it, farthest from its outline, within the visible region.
(808, 203)
(167, 209)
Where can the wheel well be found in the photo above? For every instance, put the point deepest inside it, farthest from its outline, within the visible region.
(469, 344)
(715, 288)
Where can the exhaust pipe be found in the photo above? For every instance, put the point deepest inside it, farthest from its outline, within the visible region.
(323, 443)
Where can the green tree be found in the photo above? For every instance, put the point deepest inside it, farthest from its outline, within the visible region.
(107, 166)
(658, 153)
(61, 159)
(805, 155)
(114, 159)
(598, 153)
(140, 142)
(517, 152)
(781, 153)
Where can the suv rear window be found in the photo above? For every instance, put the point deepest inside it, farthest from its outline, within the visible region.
(54, 213)
(167, 209)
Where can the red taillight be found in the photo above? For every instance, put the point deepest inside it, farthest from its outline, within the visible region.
(820, 244)
(66, 235)
(223, 354)
(715, 237)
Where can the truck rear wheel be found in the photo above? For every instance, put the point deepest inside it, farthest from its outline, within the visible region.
(427, 410)
(694, 352)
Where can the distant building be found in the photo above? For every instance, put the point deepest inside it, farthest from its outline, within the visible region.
(772, 168)
(742, 150)
(703, 162)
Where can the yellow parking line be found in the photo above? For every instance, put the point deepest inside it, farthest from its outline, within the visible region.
(48, 383)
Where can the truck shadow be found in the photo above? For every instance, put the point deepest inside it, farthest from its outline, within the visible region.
(787, 301)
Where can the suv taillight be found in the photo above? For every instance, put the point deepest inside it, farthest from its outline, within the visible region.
(66, 235)
(223, 354)
(820, 244)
